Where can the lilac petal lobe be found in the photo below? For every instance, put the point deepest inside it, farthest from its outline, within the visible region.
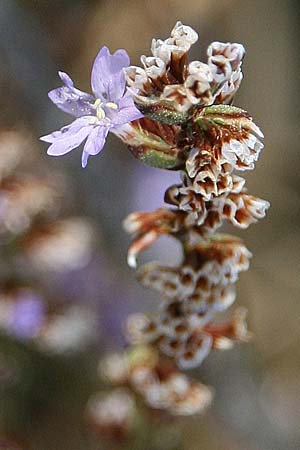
(69, 137)
(67, 130)
(70, 99)
(108, 79)
(66, 79)
(126, 101)
(127, 111)
(96, 140)
(84, 159)
(63, 146)
(123, 58)
(127, 115)
(50, 137)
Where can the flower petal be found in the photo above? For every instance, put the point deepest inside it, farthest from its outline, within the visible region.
(66, 79)
(96, 140)
(67, 130)
(69, 137)
(84, 159)
(51, 137)
(70, 99)
(94, 143)
(127, 111)
(63, 146)
(108, 79)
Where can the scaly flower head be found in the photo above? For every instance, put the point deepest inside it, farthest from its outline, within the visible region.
(106, 111)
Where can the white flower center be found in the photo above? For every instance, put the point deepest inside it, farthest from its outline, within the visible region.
(100, 112)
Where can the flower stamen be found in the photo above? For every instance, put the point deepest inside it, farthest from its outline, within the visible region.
(100, 113)
(97, 103)
(93, 120)
(111, 105)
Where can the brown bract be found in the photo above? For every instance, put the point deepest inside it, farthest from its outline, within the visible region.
(154, 143)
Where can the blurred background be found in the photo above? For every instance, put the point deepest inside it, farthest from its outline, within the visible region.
(46, 204)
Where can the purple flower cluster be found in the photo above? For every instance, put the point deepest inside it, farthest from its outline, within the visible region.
(106, 111)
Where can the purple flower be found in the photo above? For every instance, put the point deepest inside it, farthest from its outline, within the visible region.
(108, 109)
(27, 316)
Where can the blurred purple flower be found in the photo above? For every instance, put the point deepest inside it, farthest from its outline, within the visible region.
(109, 108)
(151, 180)
(27, 316)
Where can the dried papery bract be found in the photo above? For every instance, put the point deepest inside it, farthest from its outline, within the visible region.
(157, 380)
(68, 331)
(22, 199)
(112, 414)
(59, 246)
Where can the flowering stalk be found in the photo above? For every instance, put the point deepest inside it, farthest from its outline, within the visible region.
(182, 119)
(209, 141)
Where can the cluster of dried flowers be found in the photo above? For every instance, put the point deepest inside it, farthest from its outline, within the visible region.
(186, 122)
(191, 126)
(35, 242)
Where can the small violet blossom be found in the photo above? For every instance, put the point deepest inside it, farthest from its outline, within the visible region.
(110, 107)
(27, 316)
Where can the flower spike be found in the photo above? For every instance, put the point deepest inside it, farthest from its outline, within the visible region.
(176, 114)
(192, 126)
